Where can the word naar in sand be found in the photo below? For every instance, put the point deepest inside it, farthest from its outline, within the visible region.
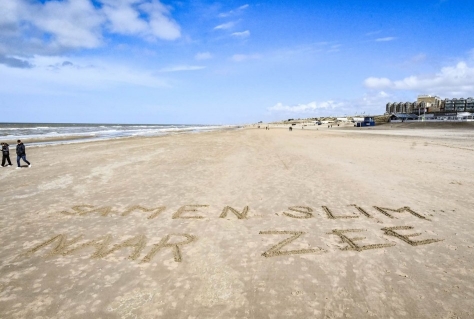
(199, 212)
(63, 246)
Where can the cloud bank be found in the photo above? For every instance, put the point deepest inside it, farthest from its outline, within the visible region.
(450, 81)
(28, 27)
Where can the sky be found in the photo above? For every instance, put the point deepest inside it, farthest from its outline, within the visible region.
(229, 62)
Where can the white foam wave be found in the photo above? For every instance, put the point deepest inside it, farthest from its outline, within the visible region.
(81, 134)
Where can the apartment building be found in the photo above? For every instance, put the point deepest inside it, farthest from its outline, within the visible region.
(431, 104)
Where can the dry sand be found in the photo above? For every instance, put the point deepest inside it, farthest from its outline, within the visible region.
(307, 232)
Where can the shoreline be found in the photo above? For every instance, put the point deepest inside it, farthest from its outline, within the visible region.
(75, 139)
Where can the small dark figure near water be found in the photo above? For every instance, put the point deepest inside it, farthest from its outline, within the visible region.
(290, 128)
(5, 155)
(21, 154)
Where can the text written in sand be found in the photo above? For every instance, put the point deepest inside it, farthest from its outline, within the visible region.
(293, 243)
(202, 212)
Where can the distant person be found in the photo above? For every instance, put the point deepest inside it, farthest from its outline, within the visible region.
(290, 129)
(21, 154)
(5, 155)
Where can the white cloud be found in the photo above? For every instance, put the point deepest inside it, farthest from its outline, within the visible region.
(245, 57)
(127, 17)
(386, 39)
(225, 26)
(376, 83)
(124, 19)
(74, 23)
(161, 25)
(234, 12)
(28, 27)
(243, 34)
(203, 56)
(179, 68)
(10, 12)
(451, 80)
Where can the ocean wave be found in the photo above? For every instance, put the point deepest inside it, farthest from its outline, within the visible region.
(76, 133)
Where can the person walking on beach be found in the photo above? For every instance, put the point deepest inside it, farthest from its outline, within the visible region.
(21, 154)
(5, 155)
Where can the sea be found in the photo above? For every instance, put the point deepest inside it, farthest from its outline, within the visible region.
(41, 134)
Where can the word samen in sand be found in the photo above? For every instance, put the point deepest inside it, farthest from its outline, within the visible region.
(299, 212)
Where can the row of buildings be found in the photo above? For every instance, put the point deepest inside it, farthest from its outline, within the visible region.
(431, 105)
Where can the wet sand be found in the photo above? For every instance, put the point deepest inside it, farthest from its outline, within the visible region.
(242, 224)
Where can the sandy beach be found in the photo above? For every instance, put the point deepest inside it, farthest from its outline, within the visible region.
(245, 223)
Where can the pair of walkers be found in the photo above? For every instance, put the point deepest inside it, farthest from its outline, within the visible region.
(20, 154)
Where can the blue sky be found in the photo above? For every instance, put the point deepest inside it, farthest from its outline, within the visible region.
(147, 61)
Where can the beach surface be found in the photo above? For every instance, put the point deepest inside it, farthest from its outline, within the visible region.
(248, 223)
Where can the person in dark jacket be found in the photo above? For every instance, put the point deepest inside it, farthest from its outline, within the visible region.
(21, 154)
(5, 155)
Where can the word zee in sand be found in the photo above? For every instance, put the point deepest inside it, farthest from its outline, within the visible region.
(174, 242)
